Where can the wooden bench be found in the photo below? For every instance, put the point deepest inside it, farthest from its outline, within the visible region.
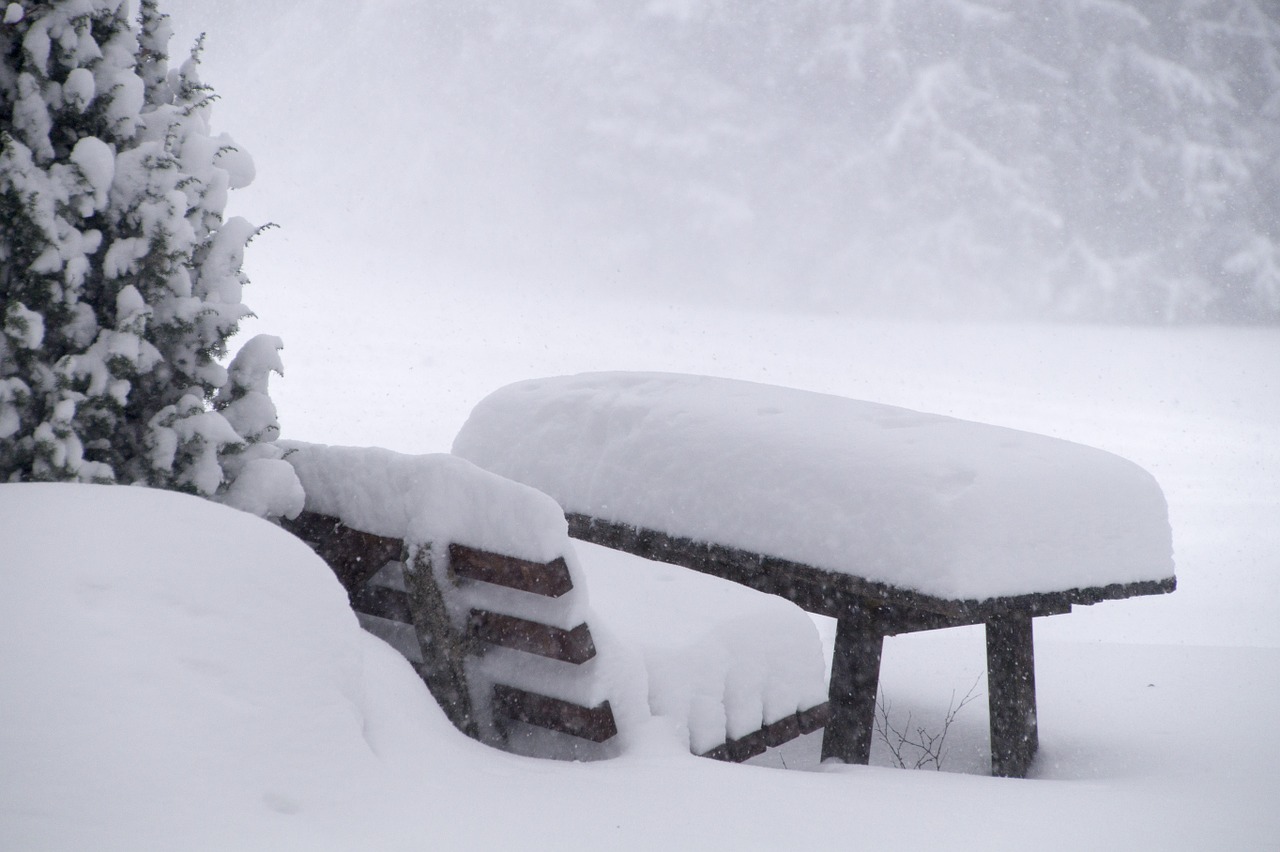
(407, 609)
(500, 636)
(888, 520)
(451, 608)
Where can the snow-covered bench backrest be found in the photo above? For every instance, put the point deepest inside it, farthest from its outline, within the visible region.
(472, 577)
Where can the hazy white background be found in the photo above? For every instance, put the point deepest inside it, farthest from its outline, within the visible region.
(981, 159)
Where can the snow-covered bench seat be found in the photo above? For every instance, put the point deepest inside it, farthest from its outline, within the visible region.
(889, 520)
(736, 670)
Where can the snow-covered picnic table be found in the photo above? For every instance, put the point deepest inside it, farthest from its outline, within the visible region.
(887, 519)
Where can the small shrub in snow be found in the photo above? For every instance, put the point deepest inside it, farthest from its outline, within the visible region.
(121, 280)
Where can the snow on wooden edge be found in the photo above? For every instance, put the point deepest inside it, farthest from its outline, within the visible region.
(722, 660)
(933, 504)
(442, 499)
(428, 498)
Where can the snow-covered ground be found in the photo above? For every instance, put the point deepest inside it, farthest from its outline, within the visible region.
(159, 693)
(178, 675)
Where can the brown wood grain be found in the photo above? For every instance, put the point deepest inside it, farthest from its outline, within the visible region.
(570, 646)
(353, 555)
(549, 579)
(590, 723)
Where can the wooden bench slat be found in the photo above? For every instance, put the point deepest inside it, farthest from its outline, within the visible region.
(782, 731)
(354, 556)
(595, 724)
(814, 718)
(549, 579)
(770, 736)
(570, 646)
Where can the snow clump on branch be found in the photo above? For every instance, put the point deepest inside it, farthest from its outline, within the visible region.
(122, 283)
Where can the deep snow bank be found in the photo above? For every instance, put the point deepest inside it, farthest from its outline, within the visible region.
(179, 669)
(177, 675)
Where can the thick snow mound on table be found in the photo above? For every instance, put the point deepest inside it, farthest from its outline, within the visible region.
(941, 506)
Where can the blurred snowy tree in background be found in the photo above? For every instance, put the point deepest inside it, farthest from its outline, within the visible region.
(1110, 158)
(121, 282)
(1113, 159)
(1077, 159)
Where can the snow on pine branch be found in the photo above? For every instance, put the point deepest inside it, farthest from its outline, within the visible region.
(121, 278)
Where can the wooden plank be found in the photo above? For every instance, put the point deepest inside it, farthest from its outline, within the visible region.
(855, 674)
(745, 748)
(549, 579)
(782, 731)
(1011, 685)
(814, 718)
(720, 752)
(834, 593)
(595, 724)
(739, 750)
(354, 556)
(770, 736)
(570, 646)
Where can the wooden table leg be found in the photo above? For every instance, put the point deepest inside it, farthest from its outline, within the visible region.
(1011, 684)
(855, 674)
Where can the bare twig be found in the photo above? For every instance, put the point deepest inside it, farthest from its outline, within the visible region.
(925, 748)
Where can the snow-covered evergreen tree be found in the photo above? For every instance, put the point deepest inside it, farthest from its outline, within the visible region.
(121, 281)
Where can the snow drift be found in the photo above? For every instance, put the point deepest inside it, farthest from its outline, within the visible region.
(179, 675)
